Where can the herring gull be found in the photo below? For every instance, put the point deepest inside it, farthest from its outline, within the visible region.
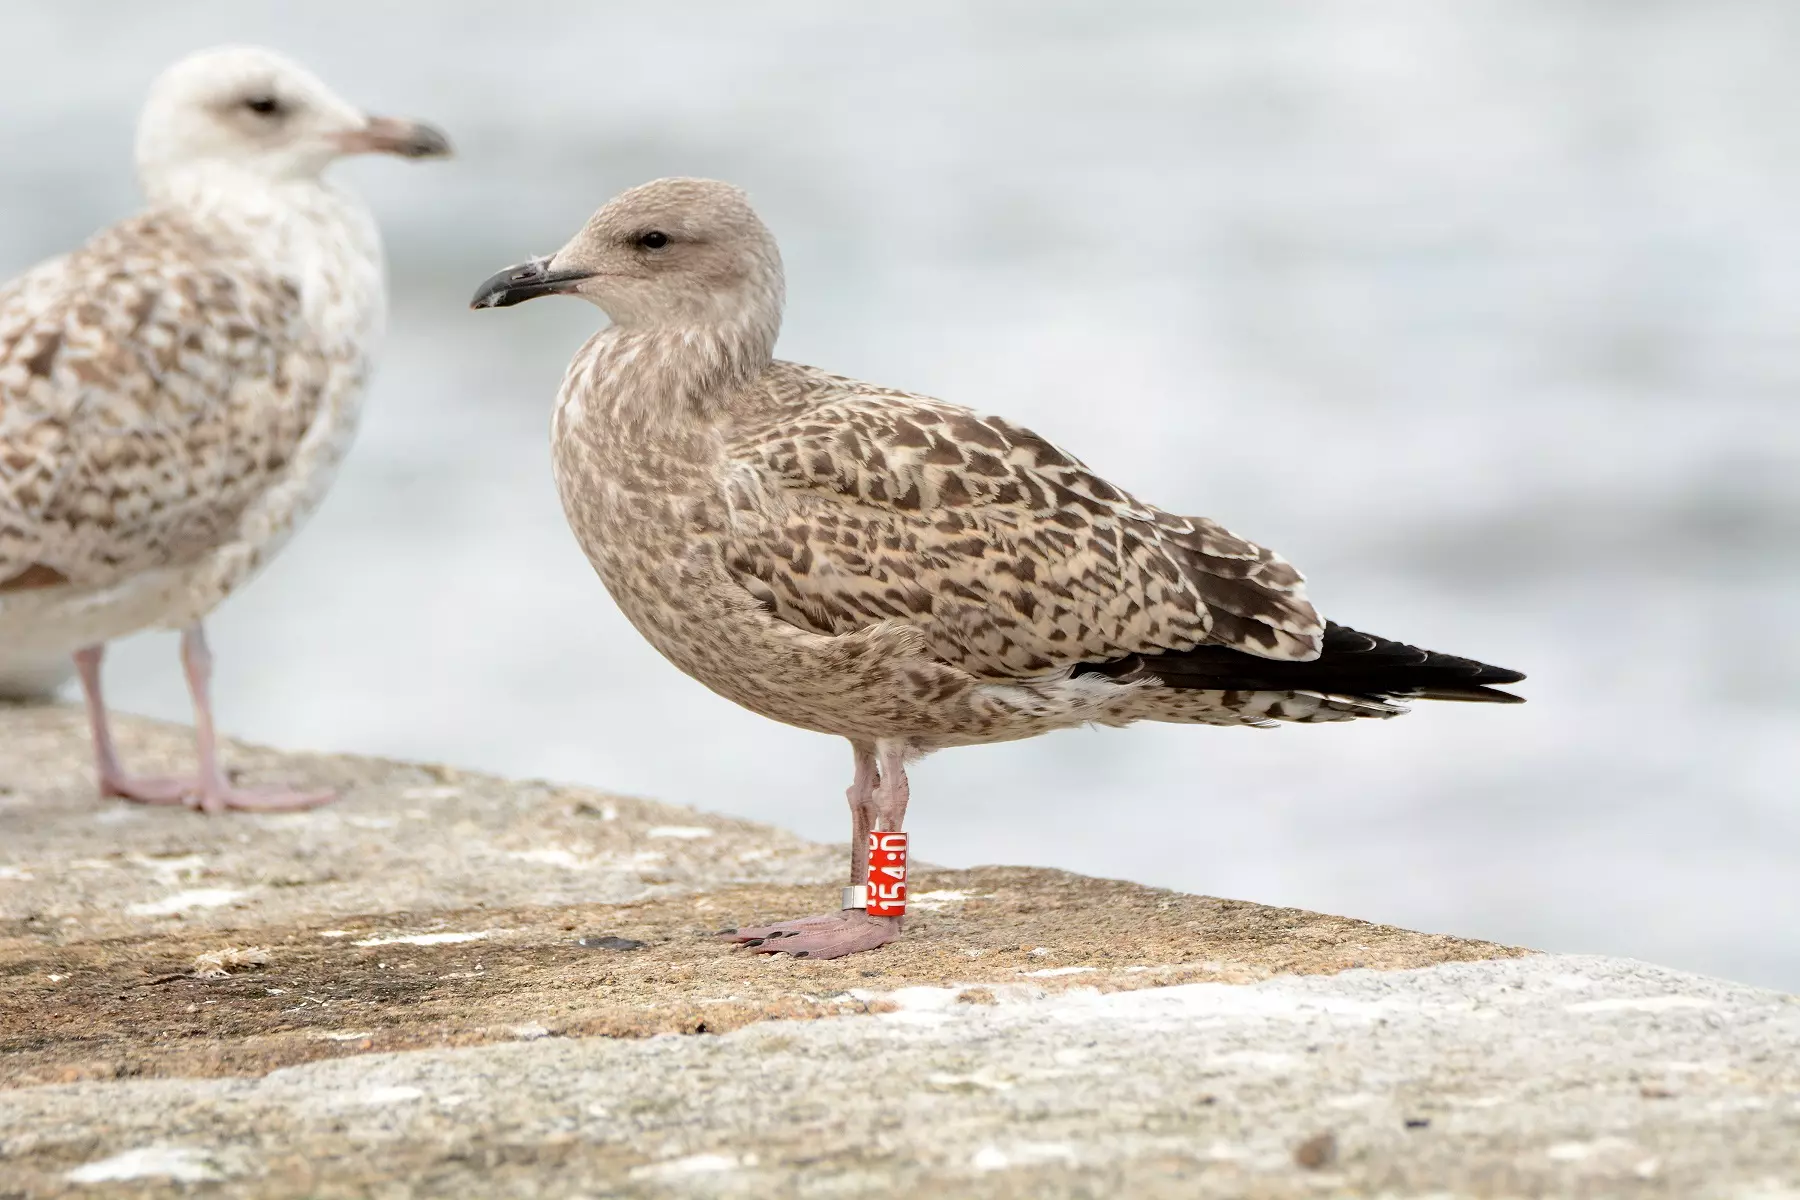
(176, 393)
(902, 572)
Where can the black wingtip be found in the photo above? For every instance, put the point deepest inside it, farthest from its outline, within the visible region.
(1350, 663)
(1475, 695)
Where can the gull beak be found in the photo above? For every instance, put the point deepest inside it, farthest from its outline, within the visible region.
(393, 135)
(527, 281)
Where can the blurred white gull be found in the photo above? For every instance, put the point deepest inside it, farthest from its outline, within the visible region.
(176, 394)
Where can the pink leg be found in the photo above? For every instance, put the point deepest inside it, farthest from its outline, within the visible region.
(113, 780)
(879, 777)
(892, 796)
(209, 790)
(862, 811)
(216, 794)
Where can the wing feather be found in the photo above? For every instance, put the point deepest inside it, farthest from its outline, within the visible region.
(860, 505)
(151, 385)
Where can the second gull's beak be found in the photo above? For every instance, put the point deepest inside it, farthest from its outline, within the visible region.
(527, 281)
(393, 135)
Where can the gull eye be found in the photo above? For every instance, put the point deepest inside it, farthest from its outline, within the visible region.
(656, 239)
(263, 106)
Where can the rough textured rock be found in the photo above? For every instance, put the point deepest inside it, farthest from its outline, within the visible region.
(1536, 1076)
(194, 1004)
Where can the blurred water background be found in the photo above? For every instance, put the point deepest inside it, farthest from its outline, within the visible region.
(1483, 313)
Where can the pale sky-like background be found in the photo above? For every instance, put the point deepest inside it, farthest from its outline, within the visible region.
(1485, 314)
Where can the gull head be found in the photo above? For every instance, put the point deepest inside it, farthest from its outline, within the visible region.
(248, 111)
(672, 253)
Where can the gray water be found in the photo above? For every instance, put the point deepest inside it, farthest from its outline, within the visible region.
(1484, 314)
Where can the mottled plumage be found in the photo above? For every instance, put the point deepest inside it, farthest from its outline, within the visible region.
(155, 384)
(1012, 557)
(888, 567)
(176, 393)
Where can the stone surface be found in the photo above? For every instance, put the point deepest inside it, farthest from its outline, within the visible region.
(404, 839)
(1535, 1076)
(452, 985)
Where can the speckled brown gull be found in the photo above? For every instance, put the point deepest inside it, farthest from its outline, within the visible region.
(889, 568)
(176, 393)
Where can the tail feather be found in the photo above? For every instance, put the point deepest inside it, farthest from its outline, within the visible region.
(1349, 664)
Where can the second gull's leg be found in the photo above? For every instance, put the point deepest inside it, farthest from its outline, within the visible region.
(110, 772)
(208, 789)
(213, 792)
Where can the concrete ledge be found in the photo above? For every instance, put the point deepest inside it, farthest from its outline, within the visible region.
(1538, 1076)
(196, 1002)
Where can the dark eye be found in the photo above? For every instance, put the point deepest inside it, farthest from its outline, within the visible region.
(263, 106)
(656, 239)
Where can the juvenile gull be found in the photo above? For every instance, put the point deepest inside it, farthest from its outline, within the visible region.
(890, 568)
(176, 393)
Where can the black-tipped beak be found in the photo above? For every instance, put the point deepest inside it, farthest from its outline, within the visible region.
(527, 281)
(392, 135)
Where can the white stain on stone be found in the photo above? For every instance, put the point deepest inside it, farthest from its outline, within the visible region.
(932, 901)
(1580, 1151)
(1211, 1000)
(173, 869)
(1640, 1004)
(1022, 1154)
(381, 1096)
(120, 815)
(184, 901)
(982, 1080)
(693, 1164)
(553, 856)
(426, 939)
(922, 998)
(1048, 972)
(180, 1163)
(678, 831)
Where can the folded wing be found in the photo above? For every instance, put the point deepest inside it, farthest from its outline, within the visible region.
(857, 505)
(150, 388)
